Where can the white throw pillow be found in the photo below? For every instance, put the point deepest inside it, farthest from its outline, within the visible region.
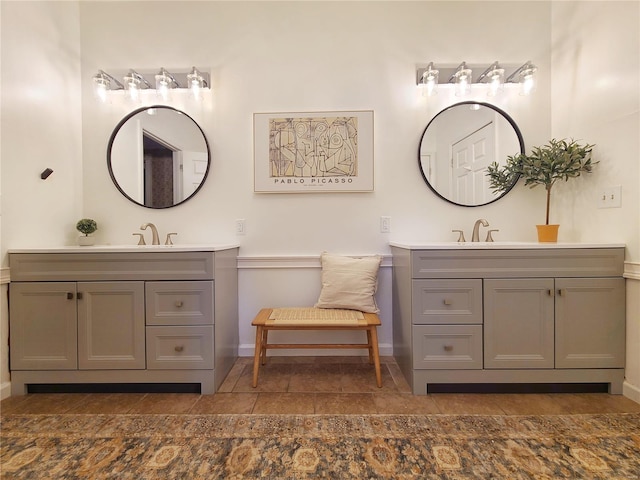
(349, 282)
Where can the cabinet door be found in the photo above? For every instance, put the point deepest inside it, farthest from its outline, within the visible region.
(590, 323)
(518, 323)
(43, 326)
(111, 325)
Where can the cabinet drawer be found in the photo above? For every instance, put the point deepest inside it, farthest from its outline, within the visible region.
(179, 303)
(447, 347)
(180, 347)
(447, 301)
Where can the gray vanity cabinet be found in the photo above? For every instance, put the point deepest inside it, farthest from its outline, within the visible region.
(521, 315)
(138, 316)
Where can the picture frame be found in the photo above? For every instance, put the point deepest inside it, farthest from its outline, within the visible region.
(311, 152)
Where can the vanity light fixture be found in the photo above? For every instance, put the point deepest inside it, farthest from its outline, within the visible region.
(494, 77)
(103, 82)
(460, 78)
(133, 83)
(196, 82)
(429, 81)
(164, 83)
(526, 77)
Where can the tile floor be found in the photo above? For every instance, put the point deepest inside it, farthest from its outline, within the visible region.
(320, 385)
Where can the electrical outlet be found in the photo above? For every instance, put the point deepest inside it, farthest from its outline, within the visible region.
(385, 224)
(240, 227)
(610, 197)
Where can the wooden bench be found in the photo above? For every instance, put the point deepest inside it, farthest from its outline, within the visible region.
(264, 324)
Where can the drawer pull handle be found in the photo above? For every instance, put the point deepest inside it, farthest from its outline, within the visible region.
(69, 296)
(447, 301)
(179, 303)
(179, 348)
(561, 292)
(448, 348)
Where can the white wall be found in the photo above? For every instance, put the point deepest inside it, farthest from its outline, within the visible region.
(596, 97)
(41, 127)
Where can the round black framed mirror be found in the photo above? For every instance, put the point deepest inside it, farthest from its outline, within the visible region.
(457, 146)
(158, 157)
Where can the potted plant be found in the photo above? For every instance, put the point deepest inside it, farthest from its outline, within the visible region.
(86, 226)
(545, 165)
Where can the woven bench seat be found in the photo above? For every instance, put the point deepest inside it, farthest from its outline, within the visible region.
(314, 319)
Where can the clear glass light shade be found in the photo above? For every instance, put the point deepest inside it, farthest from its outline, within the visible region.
(195, 82)
(495, 80)
(132, 86)
(462, 79)
(163, 85)
(528, 80)
(430, 82)
(101, 86)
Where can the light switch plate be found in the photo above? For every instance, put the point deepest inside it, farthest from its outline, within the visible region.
(385, 224)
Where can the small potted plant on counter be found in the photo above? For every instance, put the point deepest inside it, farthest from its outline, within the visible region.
(545, 165)
(86, 226)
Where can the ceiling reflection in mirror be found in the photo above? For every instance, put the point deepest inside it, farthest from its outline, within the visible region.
(458, 145)
(158, 157)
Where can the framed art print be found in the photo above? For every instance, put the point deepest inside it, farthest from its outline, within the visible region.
(304, 152)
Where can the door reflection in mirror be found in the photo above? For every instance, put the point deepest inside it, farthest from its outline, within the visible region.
(458, 145)
(158, 157)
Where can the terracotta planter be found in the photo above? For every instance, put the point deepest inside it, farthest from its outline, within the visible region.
(547, 233)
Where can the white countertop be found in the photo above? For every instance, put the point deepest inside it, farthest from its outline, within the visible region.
(126, 248)
(497, 245)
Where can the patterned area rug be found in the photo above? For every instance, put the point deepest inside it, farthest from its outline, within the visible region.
(320, 446)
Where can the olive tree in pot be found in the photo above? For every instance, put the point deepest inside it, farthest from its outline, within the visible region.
(86, 226)
(545, 165)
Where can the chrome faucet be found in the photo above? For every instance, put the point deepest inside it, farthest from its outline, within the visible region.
(475, 236)
(154, 232)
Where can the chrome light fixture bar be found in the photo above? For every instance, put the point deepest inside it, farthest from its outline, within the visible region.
(163, 82)
(492, 77)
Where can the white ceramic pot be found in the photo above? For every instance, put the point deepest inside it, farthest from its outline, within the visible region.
(86, 240)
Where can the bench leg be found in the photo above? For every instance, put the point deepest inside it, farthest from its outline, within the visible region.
(376, 354)
(257, 355)
(370, 349)
(263, 345)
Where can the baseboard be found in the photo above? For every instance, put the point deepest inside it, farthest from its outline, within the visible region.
(631, 391)
(248, 350)
(5, 390)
